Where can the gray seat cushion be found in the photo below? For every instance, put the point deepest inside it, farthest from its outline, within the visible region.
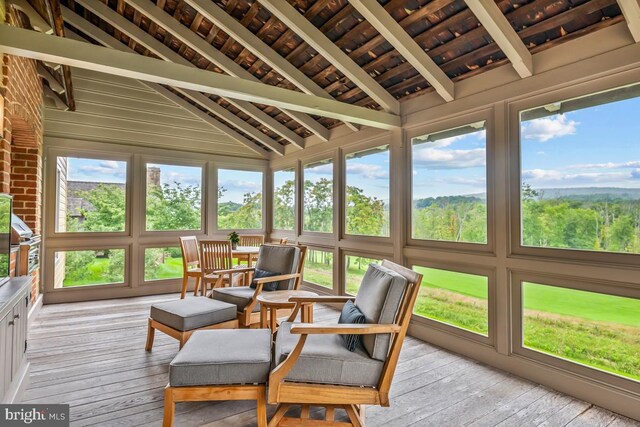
(379, 299)
(239, 296)
(325, 360)
(280, 259)
(192, 313)
(221, 357)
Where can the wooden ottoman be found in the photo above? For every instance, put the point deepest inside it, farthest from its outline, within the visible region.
(221, 365)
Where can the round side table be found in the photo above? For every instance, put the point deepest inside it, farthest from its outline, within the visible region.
(270, 302)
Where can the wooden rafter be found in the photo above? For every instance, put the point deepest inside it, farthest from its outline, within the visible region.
(497, 25)
(253, 43)
(166, 53)
(189, 38)
(17, 41)
(631, 12)
(393, 32)
(58, 26)
(316, 39)
(106, 40)
(44, 73)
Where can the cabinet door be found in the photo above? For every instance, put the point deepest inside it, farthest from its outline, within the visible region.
(19, 336)
(5, 354)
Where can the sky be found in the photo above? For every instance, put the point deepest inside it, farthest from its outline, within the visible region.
(93, 170)
(237, 183)
(450, 166)
(592, 147)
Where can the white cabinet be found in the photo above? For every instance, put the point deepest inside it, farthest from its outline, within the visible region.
(14, 309)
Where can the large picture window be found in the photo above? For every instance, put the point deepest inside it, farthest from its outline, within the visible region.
(355, 267)
(589, 328)
(458, 299)
(318, 268)
(367, 192)
(239, 199)
(284, 196)
(449, 201)
(89, 267)
(318, 197)
(91, 195)
(580, 173)
(174, 197)
(162, 263)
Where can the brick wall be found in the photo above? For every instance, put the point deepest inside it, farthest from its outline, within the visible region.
(21, 131)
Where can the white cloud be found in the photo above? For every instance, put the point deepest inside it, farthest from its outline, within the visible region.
(609, 165)
(547, 128)
(242, 186)
(551, 176)
(474, 182)
(450, 159)
(326, 169)
(181, 178)
(368, 171)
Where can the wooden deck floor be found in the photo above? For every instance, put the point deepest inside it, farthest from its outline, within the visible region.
(91, 356)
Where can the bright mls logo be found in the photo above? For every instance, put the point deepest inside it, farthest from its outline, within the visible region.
(34, 415)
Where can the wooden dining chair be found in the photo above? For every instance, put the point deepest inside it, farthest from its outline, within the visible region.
(255, 240)
(284, 241)
(217, 264)
(190, 263)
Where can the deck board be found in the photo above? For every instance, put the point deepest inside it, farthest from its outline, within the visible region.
(91, 356)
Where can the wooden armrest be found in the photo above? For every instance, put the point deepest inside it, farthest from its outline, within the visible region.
(322, 299)
(344, 329)
(233, 270)
(277, 278)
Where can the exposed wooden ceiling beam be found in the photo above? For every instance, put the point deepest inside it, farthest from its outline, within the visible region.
(58, 27)
(160, 49)
(107, 40)
(251, 42)
(323, 45)
(31, 44)
(393, 32)
(631, 12)
(189, 38)
(501, 31)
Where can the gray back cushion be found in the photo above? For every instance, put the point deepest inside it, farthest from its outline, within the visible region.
(280, 259)
(379, 299)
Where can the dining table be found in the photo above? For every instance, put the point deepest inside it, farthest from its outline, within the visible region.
(245, 253)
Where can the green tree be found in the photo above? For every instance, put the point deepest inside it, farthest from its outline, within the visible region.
(283, 206)
(365, 215)
(107, 212)
(318, 205)
(173, 207)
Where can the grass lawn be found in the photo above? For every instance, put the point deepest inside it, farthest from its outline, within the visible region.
(96, 276)
(171, 268)
(318, 273)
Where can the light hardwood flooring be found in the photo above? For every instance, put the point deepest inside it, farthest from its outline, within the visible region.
(91, 356)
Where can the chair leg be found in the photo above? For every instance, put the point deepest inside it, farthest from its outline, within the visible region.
(195, 290)
(279, 415)
(169, 408)
(151, 332)
(185, 283)
(354, 415)
(261, 408)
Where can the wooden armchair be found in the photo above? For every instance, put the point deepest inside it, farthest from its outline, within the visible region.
(288, 260)
(190, 263)
(217, 265)
(314, 368)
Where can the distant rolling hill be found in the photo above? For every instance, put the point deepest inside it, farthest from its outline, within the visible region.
(590, 193)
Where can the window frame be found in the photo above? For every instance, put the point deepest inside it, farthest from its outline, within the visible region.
(516, 248)
(490, 273)
(126, 283)
(52, 220)
(516, 279)
(141, 280)
(163, 161)
(279, 231)
(486, 115)
(214, 190)
(319, 288)
(342, 195)
(336, 176)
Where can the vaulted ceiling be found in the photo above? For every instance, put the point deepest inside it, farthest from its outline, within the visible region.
(366, 70)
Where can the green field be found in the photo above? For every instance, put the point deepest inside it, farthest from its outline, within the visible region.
(94, 275)
(593, 329)
(171, 268)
